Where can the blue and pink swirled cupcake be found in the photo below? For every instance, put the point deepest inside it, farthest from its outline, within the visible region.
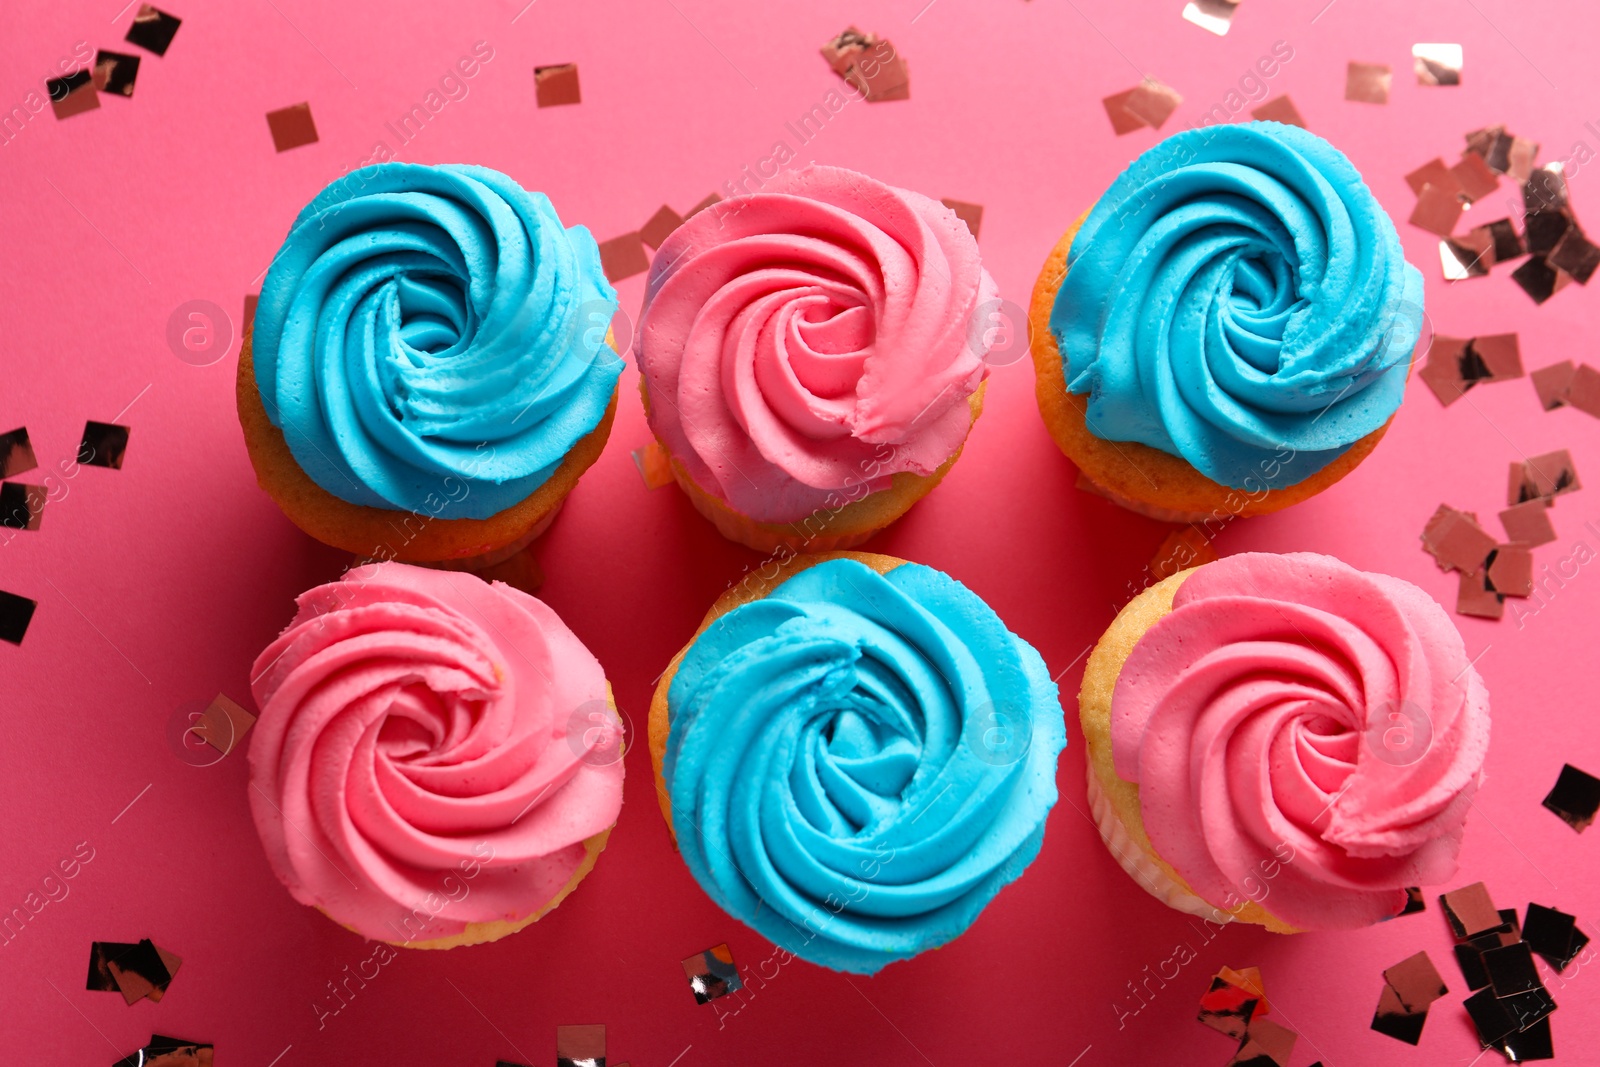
(1229, 329)
(855, 755)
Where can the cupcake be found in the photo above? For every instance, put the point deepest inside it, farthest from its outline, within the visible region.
(1229, 329)
(1283, 740)
(428, 371)
(854, 756)
(812, 356)
(437, 761)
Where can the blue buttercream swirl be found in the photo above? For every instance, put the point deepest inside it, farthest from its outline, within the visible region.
(1238, 295)
(432, 339)
(859, 762)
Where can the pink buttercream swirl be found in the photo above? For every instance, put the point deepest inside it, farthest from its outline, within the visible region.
(1303, 734)
(810, 340)
(427, 754)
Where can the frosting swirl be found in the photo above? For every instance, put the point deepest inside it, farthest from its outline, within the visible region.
(859, 762)
(1303, 734)
(432, 338)
(432, 751)
(1237, 292)
(813, 339)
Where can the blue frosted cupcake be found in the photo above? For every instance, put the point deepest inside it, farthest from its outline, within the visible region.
(855, 756)
(1229, 329)
(428, 371)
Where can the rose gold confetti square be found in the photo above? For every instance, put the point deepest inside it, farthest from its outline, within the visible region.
(1437, 211)
(1153, 102)
(842, 50)
(1368, 83)
(971, 214)
(1477, 180)
(16, 453)
(577, 1045)
(292, 127)
(1505, 241)
(623, 257)
(1122, 120)
(1265, 1039)
(556, 85)
(1551, 384)
(1583, 390)
(1433, 172)
(880, 73)
(1467, 256)
(223, 724)
(1576, 255)
(1539, 279)
(1417, 982)
(1543, 477)
(1279, 109)
(73, 94)
(1442, 372)
(1500, 355)
(1213, 16)
(1528, 523)
(660, 226)
(1474, 597)
(1520, 159)
(1493, 144)
(1456, 541)
(1437, 64)
(1511, 572)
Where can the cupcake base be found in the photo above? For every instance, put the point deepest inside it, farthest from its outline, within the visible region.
(1116, 802)
(1133, 474)
(826, 530)
(408, 537)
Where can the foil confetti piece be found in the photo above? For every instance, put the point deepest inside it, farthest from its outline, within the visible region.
(1544, 230)
(1546, 189)
(1434, 172)
(72, 94)
(292, 127)
(1123, 121)
(971, 214)
(16, 453)
(655, 232)
(1475, 597)
(1534, 1043)
(21, 506)
(115, 72)
(1437, 64)
(1551, 933)
(1494, 145)
(223, 724)
(1477, 180)
(556, 85)
(581, 1046)
(1368, 83)
(1393, 1019)
(1539, 279)
(1583, 390)
(163, 1051)
(869, 63)
(1470, 910)
(16, 612)
(1492, 1019)
(1469, 256)
(1456, 541)
(1416, 981)
(623, 257)
(1520, 159)
(1265, 1042)
(1505, 241)
(1213, 16)
(1438, 210)
(1415, 901)
(1574, 798)
(1544, 476)
(1153, 102)
(153, 29)
(1228, 1008)
(137, 970)
(1279, 109)
(1528, 523)
(655, 467)
(1575, 255)
(1510, 570)
(103, 445)
(712, 974)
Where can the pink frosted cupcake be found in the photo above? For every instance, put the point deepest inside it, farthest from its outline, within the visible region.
(437, 761)
(813, 356)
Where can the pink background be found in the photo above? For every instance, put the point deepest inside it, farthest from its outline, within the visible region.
(159, 583)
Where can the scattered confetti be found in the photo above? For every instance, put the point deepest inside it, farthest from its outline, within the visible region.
(103, 444)
(556, 85)
(712, 974)
(1528, 523)
(1150, 103)
(655, 467)
(1434, 172)
(971, 214)
(1367, 83)
(1265, 1043)
(1437, 64)
(1553, 935)
(153, 29)
(162, 1051)
(1510, 570)
(223, 724)
(134, 969)
(1122, 120)
(72, 94)
(1542, 477)
(1415, 901)
(1575, 797)
(1214, 16)
(581, 1046)
(1456, 364)
(1228, 1008)
(1395, 1020)
(869, 63)
(1470, 911)
(1465, 257)
(1494, 145)
(655, 232)
(1456, 540)
(115, 72)
(623, 257)
(1279, 109)
(292, 127)
(21, 506)
(1438, 210)
(1583, 391)
(1477, 180)
(1575, 255)
(1474, 596)
(1538, 279)
(16, 453)
(15, 614)
(1552, 382)
(1505, 241)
